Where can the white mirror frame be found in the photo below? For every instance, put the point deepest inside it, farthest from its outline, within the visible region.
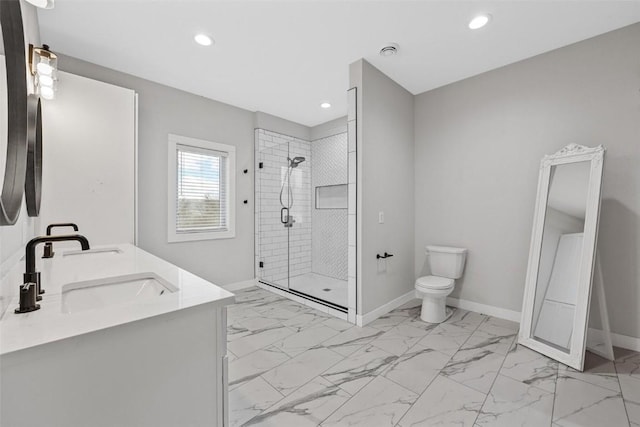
(572, 153)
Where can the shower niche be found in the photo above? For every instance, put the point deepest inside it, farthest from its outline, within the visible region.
(301, 217)
(332, 196)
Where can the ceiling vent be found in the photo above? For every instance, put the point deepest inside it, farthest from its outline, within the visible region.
(389, 49)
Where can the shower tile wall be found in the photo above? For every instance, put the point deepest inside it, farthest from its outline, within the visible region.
(273, 240)
(329, 226)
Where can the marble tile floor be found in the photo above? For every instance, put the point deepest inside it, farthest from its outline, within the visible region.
(293, 366)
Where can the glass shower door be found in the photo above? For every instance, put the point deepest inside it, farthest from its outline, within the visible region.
(301, 217)
(272, 236)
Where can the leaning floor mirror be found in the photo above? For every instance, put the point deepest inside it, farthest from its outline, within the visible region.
(561, 259)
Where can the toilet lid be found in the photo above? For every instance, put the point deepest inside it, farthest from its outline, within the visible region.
(434, 282)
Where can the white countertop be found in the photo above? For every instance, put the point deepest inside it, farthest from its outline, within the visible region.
(50, 323)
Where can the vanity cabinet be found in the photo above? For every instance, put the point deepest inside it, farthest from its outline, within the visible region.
(152, 362)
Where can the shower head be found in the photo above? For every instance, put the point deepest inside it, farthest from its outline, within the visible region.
(293, 163)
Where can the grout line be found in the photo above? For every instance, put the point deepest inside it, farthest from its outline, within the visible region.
(486, 396)
(497, 373)
(555, 390)
(359, 390)
(319, 375)
(440, 371)
(624, 401)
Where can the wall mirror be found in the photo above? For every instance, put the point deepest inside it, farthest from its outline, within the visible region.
(13, 111)
(562, 254)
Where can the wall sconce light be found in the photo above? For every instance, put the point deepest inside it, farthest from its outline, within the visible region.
(44, 68)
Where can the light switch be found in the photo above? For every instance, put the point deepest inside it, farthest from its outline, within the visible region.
(380, 217)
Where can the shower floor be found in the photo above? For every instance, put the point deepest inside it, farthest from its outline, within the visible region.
(322, 287)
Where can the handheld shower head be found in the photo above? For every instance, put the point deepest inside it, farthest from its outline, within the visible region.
(293, 163)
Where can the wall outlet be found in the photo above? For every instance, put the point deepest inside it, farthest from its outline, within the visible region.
(380, 217)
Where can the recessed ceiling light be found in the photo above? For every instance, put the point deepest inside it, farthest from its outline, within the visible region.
(325, 105)
(203, 39)
(389, 49)
(479, 21)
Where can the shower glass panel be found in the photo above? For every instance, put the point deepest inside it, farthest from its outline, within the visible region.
(301, 242)
(272, 237)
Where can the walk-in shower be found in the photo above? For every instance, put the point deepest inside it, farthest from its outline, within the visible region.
(301, 215)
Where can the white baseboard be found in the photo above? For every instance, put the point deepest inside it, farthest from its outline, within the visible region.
(501, 313)
(618, 340)
(362, 320)
(240, 285)
(625, 341)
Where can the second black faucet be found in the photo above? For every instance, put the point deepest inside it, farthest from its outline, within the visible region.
(48, 247)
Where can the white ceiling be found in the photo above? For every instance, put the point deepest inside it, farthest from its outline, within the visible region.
(286, 57)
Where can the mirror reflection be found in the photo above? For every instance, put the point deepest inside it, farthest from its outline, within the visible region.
(561, 254)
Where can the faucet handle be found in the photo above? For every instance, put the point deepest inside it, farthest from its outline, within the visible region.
(28, 294)
(34, 278)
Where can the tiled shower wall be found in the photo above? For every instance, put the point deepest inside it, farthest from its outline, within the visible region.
(329, 226)
(284, 252)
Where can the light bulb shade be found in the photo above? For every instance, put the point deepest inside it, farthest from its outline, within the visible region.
(47, 92)
(43, 68)
(44, 80)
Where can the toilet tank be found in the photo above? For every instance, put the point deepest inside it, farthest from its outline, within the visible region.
(446, 261)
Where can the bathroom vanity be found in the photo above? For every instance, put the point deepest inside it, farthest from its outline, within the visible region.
(121, 338)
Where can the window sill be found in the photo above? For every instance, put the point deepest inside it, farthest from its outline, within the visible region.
(191, 237)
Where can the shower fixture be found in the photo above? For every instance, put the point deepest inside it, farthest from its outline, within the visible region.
(285, 218)
(293, 163)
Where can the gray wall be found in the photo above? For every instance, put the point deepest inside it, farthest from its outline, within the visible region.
(386, 183)
(478, 147)
(329, 128)
(163, 110)
(280, 125)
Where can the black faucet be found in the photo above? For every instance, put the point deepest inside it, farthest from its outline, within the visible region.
(48, 247)
(31, 288)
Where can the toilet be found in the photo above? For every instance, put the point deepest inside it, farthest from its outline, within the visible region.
(447, 264)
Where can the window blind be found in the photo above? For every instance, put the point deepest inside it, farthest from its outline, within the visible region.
(201, 199)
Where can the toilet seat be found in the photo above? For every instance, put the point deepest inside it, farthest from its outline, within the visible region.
(433, 283)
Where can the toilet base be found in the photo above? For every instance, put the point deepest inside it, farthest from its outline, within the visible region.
(434, 310)
(434, 299)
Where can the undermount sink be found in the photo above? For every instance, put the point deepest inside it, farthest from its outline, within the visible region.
(100, 293)
(98, 251)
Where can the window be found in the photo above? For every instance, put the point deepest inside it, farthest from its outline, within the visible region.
(201, 190)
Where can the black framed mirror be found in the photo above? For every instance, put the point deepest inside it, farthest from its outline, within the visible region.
(14, 138)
